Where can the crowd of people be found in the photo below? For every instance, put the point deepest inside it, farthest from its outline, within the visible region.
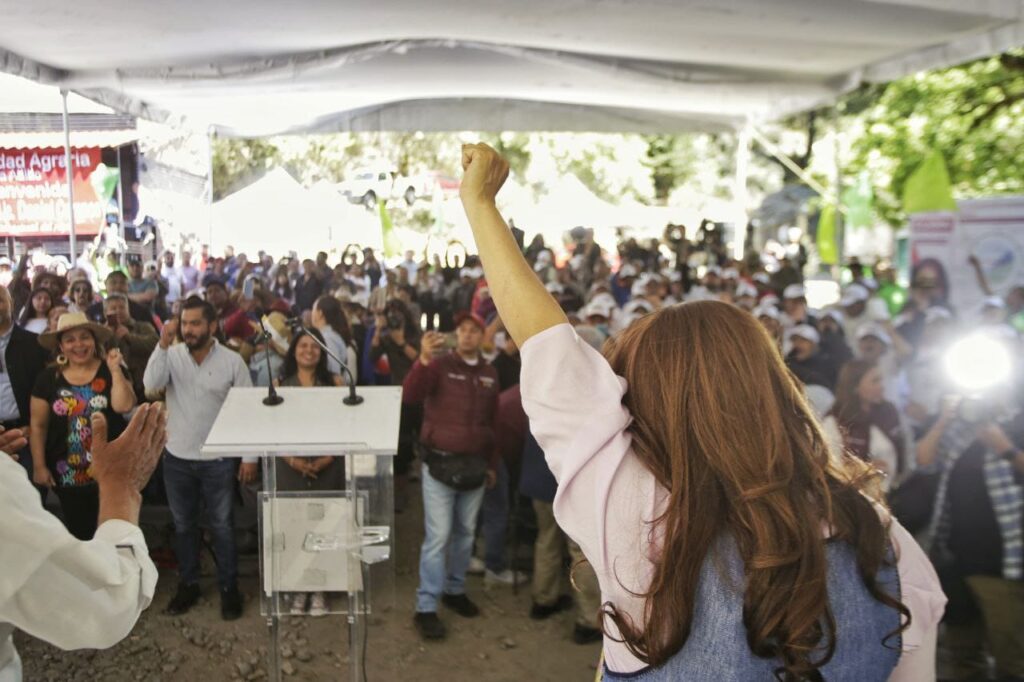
(186, 330)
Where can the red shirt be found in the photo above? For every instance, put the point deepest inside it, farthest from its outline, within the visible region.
(460, 402)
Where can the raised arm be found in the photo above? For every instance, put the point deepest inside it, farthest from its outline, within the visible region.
(524, 304)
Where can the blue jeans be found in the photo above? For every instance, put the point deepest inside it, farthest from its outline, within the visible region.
(211, 483)
(495, 522)
(450, 519)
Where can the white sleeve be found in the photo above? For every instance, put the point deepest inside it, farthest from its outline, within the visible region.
(57, 588)
(158, 370)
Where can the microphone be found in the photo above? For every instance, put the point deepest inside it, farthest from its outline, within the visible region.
(272, 398)
(352, 399)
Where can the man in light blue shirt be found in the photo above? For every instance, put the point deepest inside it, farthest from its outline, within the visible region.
(198, 375)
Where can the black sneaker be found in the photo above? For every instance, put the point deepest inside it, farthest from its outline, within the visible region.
(429, 625)
(230, 604)
(540, 611)
(184, 599)
(460, 604)
(581, 634)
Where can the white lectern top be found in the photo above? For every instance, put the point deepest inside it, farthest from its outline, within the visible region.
(309, 421)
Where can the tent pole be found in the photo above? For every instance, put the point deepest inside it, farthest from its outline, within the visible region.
(209, 188)
(840, 222)
(120, 210)
(70, 177)
(789, 163)
(740, 192)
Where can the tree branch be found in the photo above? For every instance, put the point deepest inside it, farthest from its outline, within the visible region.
(1007, 101)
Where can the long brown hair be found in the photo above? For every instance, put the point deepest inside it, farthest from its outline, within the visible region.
(725, 429)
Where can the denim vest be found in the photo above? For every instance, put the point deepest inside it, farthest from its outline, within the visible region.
(717, 649)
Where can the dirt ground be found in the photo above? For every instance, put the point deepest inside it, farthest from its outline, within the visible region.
(502, 644)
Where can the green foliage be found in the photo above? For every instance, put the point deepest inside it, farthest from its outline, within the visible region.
(670, 158)
(970, 113)
(515, 147)
(236, 163)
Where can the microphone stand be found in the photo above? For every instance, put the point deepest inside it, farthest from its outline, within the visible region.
(272, 398)
(352, 398)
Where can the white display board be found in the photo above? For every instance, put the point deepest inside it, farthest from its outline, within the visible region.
(990, 229)
(306, 548)
(310, 421)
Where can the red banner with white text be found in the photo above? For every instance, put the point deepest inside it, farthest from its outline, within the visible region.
(34, 192)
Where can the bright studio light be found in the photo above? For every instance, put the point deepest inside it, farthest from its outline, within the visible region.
(978, 362)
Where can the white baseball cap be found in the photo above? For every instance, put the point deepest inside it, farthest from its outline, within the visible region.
(599, 307)
(627, 270)
(637, 305)
(762, 278)
(854, 294)
(805, 331)
(835, 314)
(794, 291)
(769, 311)
(875, 331)
(746, 289)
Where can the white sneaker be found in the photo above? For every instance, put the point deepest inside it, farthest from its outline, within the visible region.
(298, 607)
(506, 577)
(476, 566)
(318, 604)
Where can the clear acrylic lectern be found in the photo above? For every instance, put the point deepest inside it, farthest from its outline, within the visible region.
(337, 542)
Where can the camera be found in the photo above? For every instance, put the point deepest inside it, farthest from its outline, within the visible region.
(981, 367)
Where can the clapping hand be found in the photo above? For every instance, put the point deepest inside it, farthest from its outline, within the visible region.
(11, 441)
(129, 460)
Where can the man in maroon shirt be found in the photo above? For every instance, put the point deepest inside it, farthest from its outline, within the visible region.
(459, 392)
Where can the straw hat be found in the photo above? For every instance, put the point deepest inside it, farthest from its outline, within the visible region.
(69, 321)
(280, 333)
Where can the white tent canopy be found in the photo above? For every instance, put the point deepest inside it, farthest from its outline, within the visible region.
(257, 67)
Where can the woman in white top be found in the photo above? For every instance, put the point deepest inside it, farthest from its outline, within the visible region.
(35, 316)
(688, 438)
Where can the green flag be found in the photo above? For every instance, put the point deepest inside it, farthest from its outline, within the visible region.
(828, 250)
(857, 200)
(928, 187)
(104, 181)
(392, 247)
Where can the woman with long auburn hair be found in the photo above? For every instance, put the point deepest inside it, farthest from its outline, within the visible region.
(727, 544)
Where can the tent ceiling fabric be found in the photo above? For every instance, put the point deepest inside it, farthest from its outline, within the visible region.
(257, 67)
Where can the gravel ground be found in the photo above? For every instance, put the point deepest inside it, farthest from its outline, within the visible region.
(502, 644)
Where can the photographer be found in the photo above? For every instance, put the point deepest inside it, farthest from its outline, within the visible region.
(396, 338)
(976, 532)
(459, 392)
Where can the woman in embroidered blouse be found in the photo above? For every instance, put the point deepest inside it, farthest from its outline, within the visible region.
(687, 442)
(85, 380)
